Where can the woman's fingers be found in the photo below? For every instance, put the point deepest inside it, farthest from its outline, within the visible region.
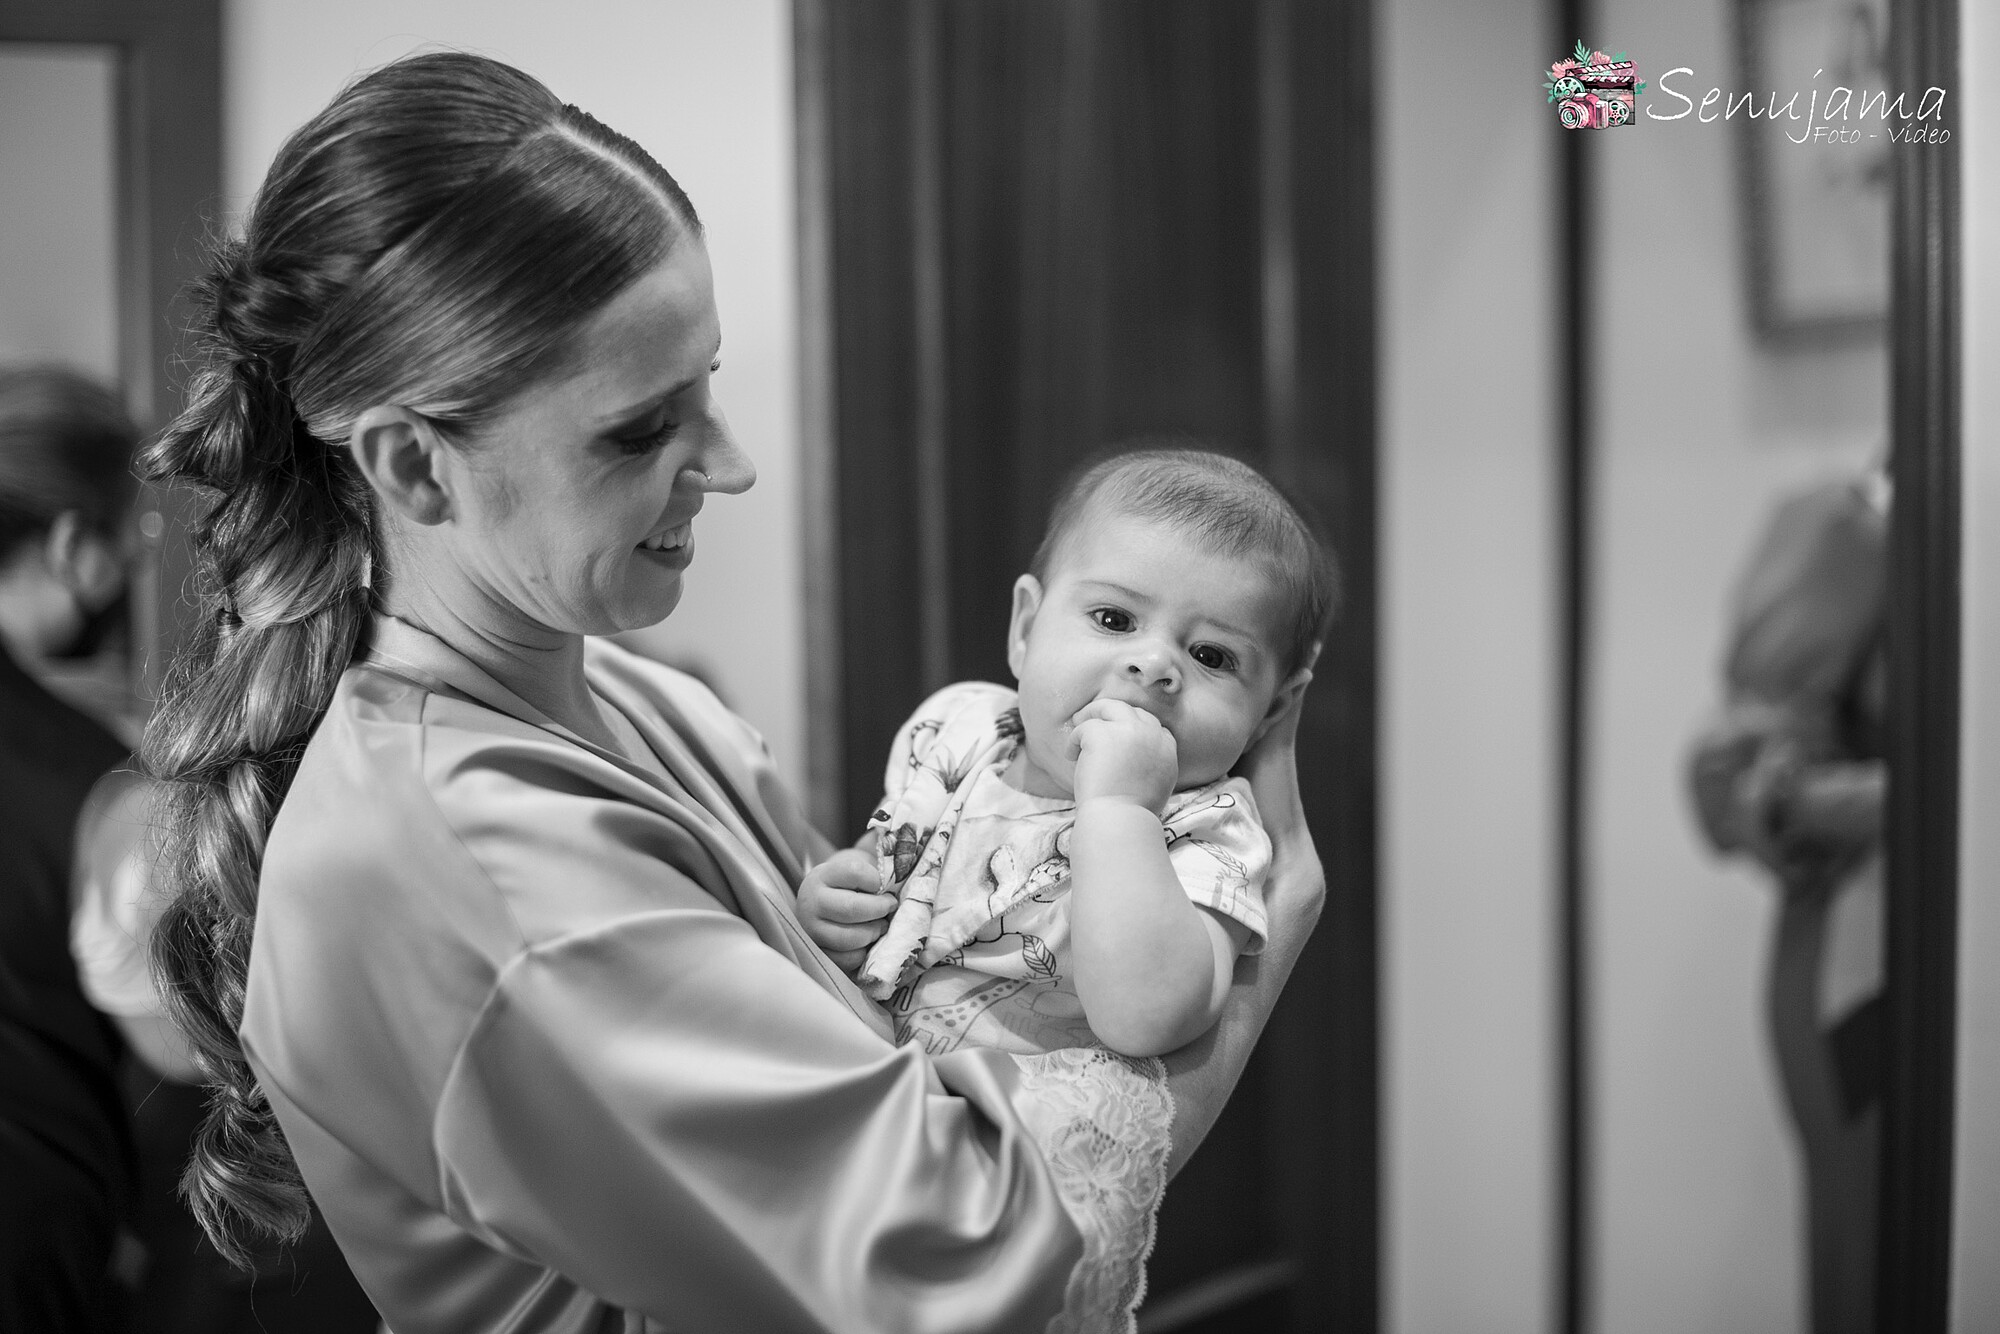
(1272, 768)
(1297, 888)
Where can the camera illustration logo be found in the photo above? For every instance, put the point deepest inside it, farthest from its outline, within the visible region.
(1593, 91)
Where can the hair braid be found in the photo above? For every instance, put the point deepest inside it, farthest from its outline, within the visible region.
(281, 565)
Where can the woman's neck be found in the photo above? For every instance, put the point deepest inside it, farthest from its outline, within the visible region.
(542, 666)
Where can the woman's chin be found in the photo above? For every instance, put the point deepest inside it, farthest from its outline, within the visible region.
(654, 607)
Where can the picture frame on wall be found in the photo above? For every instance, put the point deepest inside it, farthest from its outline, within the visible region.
(1817, 208)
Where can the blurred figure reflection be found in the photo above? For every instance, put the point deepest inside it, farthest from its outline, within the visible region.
(66, 1155)
(1793, 776)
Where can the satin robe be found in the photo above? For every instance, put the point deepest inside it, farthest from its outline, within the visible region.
(554, 1054)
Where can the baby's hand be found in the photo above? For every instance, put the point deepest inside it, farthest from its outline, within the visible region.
(1122, 752)
(843, 908)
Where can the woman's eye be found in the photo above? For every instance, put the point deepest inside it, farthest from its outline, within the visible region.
(645, 444)
(1214, 658)
(1110, 618)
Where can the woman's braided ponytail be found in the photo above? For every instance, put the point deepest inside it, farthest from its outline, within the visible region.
(281, 570)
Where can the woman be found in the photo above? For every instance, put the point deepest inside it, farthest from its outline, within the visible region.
(525, 1002)
(1793, 775)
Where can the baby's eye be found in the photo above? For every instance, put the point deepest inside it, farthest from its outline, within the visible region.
(1213, 657)
(1112, 619)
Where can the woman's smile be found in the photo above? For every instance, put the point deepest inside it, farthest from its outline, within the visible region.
(671, 547)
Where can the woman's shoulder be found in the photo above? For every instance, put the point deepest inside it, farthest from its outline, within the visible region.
(413, 798)
(368, 809)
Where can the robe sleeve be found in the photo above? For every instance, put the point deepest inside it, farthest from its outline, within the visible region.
(667, 1111)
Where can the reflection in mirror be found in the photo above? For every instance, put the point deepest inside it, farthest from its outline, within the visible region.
(59, 287)
(1734, 773)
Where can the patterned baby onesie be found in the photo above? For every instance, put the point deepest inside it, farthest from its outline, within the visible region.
(978, 947)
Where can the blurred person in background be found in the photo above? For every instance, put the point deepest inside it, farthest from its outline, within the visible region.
(1792, 775)
(184, 1286)
(93, 1235)
(66, 1153)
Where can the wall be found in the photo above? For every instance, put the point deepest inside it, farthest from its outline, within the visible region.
(706, 88)
(1468, 671)
(58, 269)
(1976, 1227)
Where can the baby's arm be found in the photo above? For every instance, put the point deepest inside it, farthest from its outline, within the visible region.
(1152, 967)
(842, 906)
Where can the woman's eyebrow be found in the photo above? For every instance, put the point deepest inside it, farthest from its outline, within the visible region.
(635, 412)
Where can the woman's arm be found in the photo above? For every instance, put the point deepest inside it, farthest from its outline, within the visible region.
(1203, 1073)
(680, 1121)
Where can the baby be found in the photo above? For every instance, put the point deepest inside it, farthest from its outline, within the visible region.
(1073, 865)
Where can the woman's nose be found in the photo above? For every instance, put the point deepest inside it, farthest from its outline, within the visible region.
(729, 469)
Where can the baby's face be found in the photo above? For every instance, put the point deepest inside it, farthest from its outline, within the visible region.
(1136, 611)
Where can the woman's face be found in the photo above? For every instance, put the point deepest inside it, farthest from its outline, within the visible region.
(579, 508)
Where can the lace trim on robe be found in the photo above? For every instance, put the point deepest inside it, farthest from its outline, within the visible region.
(1104, 1123)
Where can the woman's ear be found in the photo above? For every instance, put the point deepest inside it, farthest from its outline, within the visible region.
(400, 453)
(1027, 601)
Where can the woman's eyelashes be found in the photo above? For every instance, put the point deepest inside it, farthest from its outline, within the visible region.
(636, 445)
(653, 439)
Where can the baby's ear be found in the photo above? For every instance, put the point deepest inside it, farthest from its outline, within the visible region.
(1027, 601)
(1286, 697)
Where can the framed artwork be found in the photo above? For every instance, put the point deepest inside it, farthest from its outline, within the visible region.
(1816, 207)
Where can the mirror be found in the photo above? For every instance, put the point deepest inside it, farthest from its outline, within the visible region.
(59, 270)
(1734, 1066)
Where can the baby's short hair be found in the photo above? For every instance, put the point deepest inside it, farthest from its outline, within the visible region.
(1221, 502)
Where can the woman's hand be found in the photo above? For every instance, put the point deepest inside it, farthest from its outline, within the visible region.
(1203, 1073)
(843, 908)
(1297, 885)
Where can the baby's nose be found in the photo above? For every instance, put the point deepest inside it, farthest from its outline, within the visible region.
(1152, 666)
